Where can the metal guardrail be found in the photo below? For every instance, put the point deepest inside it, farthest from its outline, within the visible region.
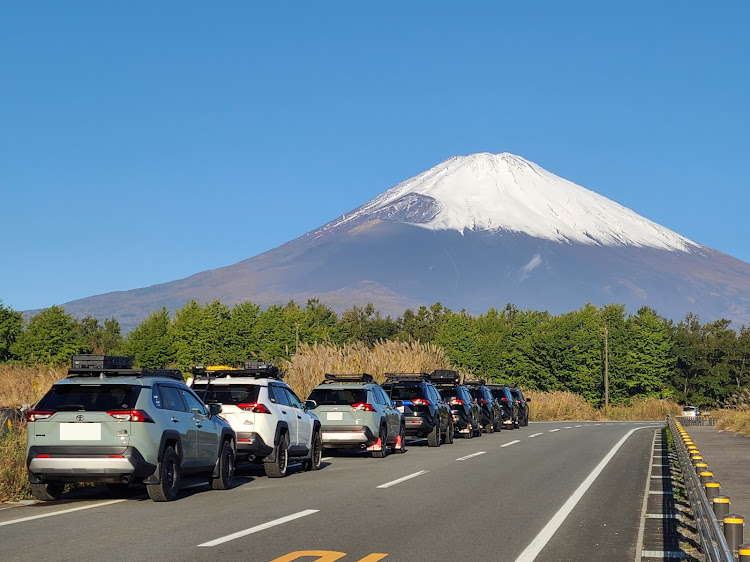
(688, 421)
(713, 542)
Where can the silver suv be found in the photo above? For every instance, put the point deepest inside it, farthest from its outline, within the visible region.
(107, 422)
(271, 423)
(355, 411)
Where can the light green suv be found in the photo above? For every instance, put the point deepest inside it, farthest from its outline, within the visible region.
(107, 422)
(354, 411)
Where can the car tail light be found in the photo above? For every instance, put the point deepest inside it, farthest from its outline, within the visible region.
(363, 407)
(131, 415)
(42, 456)
(36, 415)
(504, 399)
(484, 401)
(255, 407)
(420, 402)
(457, 402)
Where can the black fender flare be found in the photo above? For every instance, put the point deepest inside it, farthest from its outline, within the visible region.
(227, 434)
(168, 435)
(281, 427)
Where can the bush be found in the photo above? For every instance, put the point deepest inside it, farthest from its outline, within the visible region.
(13, 482)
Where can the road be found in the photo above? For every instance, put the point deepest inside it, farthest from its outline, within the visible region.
(547, 492)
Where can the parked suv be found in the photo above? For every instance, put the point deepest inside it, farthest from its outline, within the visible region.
(523, 406)
(271, 422)
(464, 411)
(508, 404)
(426, 414)
(356, 412)
(492, 415)
(107, 422)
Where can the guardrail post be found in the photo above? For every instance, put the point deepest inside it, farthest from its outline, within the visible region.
(733, 530)
(744, 552)
(720, 505)
(705, 476)
(712, 489)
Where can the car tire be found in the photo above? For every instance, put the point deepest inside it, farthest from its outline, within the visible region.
(169, 478)
(434, 437)
(490, 428)
(316, 453)
(47, 491)
(498, 426)
(279, 467)
(516, 424)
(226, 469)
(383, 436)
(469, 434)
(449, 434)
(511, 425)
(402, 437)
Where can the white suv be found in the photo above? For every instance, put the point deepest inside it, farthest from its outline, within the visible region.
(271, 423)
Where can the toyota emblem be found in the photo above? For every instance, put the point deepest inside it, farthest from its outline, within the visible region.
(79, 417)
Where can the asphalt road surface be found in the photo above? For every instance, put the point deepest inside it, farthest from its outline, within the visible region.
(547, 492)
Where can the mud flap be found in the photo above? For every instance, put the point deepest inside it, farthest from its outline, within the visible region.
(377, 446)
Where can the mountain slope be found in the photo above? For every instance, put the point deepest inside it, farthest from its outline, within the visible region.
(473, 232)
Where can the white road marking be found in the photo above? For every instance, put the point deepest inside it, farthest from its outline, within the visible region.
(568, 427)
(597, 424)
(539, 542)
(553, 430)
(509, 443)
(326, 458)
(62, 512)
(404, 479)
(536, 434)
(472, 455)
(578, 426)
(261, 527)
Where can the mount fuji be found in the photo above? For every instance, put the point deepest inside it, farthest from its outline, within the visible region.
(473, 232)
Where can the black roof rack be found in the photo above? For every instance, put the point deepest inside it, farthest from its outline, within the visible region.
(444, 376)
(362, 377)
(105, 366)
(255, 369)
(406, 377)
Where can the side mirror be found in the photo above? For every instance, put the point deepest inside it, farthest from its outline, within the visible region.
(311, 404)
(528, 400)
(214, 408)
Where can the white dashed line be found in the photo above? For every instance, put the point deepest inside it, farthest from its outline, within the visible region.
(536, 434)
(404, 479)
(553, 430)
(509, 443)
(568, 427)
(579, 426)
(470, 456)
(62, 512)
(261, 527)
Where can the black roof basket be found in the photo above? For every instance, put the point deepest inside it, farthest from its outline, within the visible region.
(406, 377)
(362, 377)
(445, 376)
(105, 366)
(256, 369)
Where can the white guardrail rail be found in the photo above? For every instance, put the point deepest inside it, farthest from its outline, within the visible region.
(713, 542)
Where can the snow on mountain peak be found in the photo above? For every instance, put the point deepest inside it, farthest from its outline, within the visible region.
(505, 192)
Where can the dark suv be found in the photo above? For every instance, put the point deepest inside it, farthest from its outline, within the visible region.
(425, 412)
(508, 404)
(107, 422)
(465, 413)
(492, 415)
(523, 406)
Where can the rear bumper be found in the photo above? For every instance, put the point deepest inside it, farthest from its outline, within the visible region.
(460, 420)
(346, 436)
(417, 425)
(77, 464)
(252, 444)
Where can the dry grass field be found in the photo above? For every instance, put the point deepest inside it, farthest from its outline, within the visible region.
(733, 420)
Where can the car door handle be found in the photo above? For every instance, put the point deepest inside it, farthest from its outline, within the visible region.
(175, 420)
(198, 425)
(283, 412)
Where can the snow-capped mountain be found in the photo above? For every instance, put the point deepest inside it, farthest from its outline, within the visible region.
(496, 192)
(473, 232)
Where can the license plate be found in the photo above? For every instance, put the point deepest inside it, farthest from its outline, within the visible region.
(80, 432)
(335, 416)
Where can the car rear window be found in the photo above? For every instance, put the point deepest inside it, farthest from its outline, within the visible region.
(90, 397)
(228, 394)
(406, 392)
(447, 393)
(338, 396)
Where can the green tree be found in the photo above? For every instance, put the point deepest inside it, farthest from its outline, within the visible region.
(150, 343)
(50, 337)
(458, 336)
(241, 339)
(11, 326)
(649, 355)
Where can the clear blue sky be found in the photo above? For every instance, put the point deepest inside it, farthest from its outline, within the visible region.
(141, 142)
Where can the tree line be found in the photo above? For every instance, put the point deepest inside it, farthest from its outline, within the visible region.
(643, 354)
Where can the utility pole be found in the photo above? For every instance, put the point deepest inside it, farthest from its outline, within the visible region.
(606, 365)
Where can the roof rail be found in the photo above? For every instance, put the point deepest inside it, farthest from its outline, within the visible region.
(404, 377)
(362, 377)
(444, 376)
(255, 369)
